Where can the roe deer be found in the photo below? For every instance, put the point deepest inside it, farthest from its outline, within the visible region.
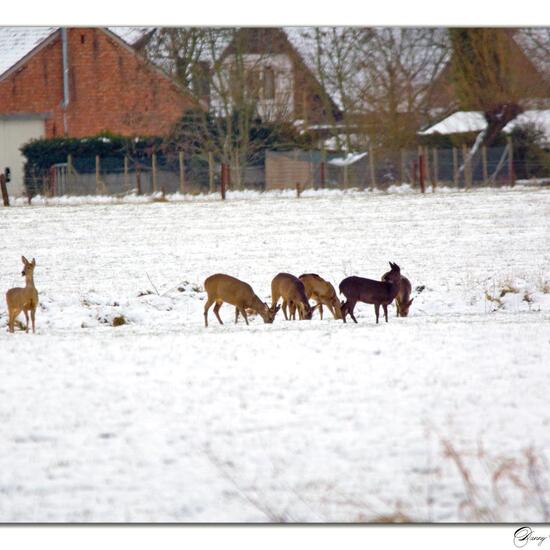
(23, 299)
(402, 302)
(379, 293)
(292, 290)
(224, 288)
(322, 292)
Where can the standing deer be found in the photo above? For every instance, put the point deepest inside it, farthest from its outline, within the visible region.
(402, 302)
(224, 288)
(293, 293)
(23, 299)
(379, 293)
(322, 292)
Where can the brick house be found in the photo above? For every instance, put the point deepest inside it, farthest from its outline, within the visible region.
(78, 82)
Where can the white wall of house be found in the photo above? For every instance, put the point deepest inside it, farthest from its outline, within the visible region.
(281, 106)
(15, 131)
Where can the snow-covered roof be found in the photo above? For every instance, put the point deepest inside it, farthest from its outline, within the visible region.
(474, 121)
(459, 122)
(349, 159)
(17, 42)
(541, 119)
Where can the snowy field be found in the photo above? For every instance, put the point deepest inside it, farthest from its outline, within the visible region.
(162, 420)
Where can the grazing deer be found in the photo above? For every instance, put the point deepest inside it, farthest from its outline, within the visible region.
(402, 302)
(322, 292)
(23, 299)
(379, 293)
(224, 288)
(292, 290)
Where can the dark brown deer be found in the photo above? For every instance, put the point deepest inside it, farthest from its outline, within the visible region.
(402, 300)
(224, 288)
(379, 293)
(292, 291)
(322, 292)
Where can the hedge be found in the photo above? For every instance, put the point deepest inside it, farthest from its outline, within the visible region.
(43, 153)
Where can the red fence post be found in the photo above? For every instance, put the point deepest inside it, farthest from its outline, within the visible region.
(421, 173)
(224, 179)
(5, 195)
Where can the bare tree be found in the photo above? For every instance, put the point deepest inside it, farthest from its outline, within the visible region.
(244, 89)
(398, 69)
(382, 79)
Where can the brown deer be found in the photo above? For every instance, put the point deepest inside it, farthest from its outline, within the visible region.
(224, 288)
(379, 293)
(322, 292)
(23, 299)
(402, 302)
(292, 290)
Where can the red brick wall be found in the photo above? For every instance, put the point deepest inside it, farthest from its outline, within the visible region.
(111, 88)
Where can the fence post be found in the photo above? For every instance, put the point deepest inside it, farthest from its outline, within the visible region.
(346, 176)
(436, 168)
(69, 170)
(455, 166)
(211, 183)
(371, 167)
(484, 164)
(511, 175)
(322, 167)
(138, 178)
(97, 174)
(427, 165)
(467, 161)
(421, 169)
(126, 180)
(182, 172)
(224, 178)
(154, 171)
(5, 195)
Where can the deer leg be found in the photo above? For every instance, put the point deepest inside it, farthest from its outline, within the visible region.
(243, 313)
(321, 310)
(385, 306)
(283, 307)
(33, 311)
(236, 314)
(216, 311)
(209, 303)
(26, 320)
(351, 307)
(377, 311)
(11, 320)
(344, 310)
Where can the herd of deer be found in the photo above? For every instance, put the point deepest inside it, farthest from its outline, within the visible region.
(295, 292)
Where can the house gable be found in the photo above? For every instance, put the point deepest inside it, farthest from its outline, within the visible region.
(111, 87)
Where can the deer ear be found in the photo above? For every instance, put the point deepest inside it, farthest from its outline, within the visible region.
(24, 260)
(33, 262)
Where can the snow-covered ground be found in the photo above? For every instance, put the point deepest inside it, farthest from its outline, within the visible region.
(162, 420)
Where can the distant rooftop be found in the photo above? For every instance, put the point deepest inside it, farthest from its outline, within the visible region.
(474, 121)
(17, 42)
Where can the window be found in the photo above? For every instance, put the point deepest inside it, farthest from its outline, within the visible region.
(269, 83)
(253, 83)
